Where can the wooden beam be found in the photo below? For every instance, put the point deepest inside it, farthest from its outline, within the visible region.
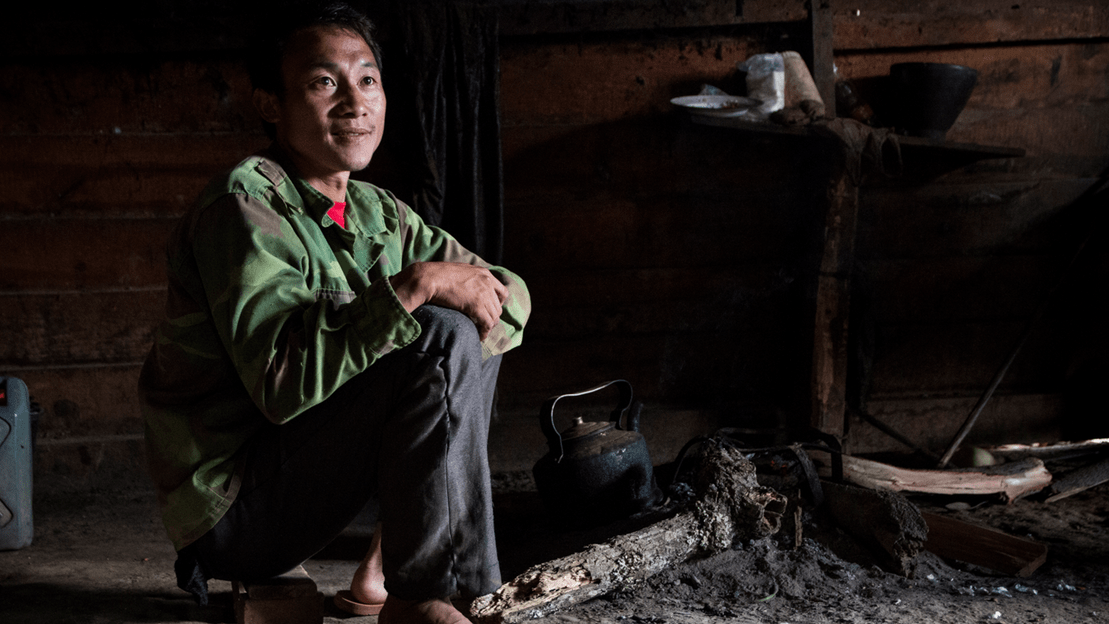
(76, 327)
(1050, 450)
(873, 24)
(982, 546)
(833, 303)
(822, 62)
(524, 17)
(1010, 480)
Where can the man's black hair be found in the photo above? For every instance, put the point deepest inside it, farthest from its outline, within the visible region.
(271, 39)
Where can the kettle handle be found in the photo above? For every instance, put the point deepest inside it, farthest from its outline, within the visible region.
(546, 414)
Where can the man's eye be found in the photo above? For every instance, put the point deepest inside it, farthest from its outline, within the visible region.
(326, 81)
(369, 80)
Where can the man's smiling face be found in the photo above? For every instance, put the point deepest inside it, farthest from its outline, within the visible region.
(332, 112)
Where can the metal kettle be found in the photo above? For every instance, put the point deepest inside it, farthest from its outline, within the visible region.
(596, 472)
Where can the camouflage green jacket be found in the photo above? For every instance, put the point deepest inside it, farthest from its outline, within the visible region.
(272, 306)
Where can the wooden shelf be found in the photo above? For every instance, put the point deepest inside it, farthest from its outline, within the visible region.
(921, 159)
(915, 147)
(926, 146)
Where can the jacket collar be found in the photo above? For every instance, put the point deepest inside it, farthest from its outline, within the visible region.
(364, 213)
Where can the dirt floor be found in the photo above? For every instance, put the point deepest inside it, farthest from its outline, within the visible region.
(99, 556)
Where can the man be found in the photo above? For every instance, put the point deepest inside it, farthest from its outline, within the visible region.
(324, 348)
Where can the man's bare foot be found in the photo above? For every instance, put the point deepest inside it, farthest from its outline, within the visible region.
(367, 587)
(435, 611)
(368, 584)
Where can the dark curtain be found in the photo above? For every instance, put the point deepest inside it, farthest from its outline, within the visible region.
(442, 140)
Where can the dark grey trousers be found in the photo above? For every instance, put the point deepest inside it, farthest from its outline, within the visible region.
(410, 432)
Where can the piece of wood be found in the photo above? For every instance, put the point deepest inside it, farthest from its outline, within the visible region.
(833, 301)
(983, 546)
(730, 505)
(884, 521)
(549, 587)
(1049, 451)
(822, 61)
(293, 584)
(1081, 479)
(44, 329)
(1031, 416)
(63, 254)
(291, 598)
(1012, 481)
(876, 24)
(532, 18)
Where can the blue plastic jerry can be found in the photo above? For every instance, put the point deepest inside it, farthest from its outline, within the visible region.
(16, 524)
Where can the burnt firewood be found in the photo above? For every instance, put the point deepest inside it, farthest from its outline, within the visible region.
(730, 505)
(890, 526)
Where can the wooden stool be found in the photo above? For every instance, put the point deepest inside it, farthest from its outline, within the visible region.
(291, 598)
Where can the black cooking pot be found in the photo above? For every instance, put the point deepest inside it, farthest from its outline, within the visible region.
(595, 472)
(930, 96)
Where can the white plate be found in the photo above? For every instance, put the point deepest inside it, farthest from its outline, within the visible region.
(715, 105)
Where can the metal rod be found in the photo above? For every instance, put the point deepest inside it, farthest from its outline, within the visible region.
(968, 424)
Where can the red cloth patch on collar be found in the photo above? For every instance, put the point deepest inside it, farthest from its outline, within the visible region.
(337, 214)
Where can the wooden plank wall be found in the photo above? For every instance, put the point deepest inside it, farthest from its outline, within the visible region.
(952, 269)
(657, 251)
(673, 255)
(99, 152)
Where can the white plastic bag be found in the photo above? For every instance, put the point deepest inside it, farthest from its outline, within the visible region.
(766, 82)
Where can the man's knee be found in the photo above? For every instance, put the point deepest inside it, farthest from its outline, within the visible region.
(448, 330)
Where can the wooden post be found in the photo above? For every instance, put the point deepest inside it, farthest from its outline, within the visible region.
(823, 63)
(833, 302)
(833, 287)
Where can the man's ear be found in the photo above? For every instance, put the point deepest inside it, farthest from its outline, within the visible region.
(267, 106)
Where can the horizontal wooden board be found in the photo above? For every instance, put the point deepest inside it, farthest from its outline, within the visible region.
(64, 254)
(79, 328)
(613, 78)
(1072, 139)
(658, 301)
(654, 156)
(125, 94)
(695, 369)
(181, 27)
(981, 218)
(964, 356)
(171, 150)
(1035, 75)
(114, 175)
(932, 422)
(720, 315)
(76, 29)
(1048, 99)
(646, 286)
(953, 288)
(951, 538)
(81, 402)
(82, 459)
(623, 233)
(519, 18)
(102, 191)
(868, 24)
